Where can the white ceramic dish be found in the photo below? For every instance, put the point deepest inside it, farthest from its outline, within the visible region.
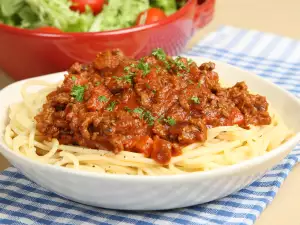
(156, 193)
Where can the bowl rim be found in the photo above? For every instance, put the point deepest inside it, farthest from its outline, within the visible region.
(227, 170)
(179, 13)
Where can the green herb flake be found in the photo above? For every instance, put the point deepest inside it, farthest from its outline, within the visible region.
(97, 83)
(112, 106)
(77, 92)
(159, 54)
(179, 74)
(190, 61)
(195, 99)
(144, 67)
(126, 108)
(127, 78)
(146, 115)
(126, 68)
(190, 81)
(201, 81)
(170, 121)
(73, 78)
(102, 99)
(160, 119)
(148, 86)
(149, 118)
(180, 64)
(138, 111)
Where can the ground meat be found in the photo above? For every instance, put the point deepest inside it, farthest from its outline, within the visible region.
(155, 105)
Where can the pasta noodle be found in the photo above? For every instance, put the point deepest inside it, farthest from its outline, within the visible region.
(225, 145)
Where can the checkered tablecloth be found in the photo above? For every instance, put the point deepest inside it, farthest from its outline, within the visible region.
(273, 57)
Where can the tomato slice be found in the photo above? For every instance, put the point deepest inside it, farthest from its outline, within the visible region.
(48, 30)
(95, 5)
(151, 15)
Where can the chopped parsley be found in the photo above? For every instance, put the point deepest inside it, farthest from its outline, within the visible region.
(179, 63)
(200, 83)
(195, 99)
(179, 74)
(190, 81)
(77, 92)
(97, 83)
(126, 68)
(73, 78)
(144, 67)
(148, 86)
(139, 111)
(102, 99)
(170, 121)
(149, 118)
(146, 115)
(159, 54)
(161, 118)
(190, 61)
(112, 106)
(127, 78)
(126, 108)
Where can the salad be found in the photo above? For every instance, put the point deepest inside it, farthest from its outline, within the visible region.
(84, 15)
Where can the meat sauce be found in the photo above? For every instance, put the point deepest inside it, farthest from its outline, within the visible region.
(155, 105)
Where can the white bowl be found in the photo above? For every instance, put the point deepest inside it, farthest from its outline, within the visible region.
(154, 192)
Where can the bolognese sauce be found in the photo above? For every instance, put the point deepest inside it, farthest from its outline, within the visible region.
(155, 105)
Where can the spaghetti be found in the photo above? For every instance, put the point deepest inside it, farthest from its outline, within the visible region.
(225, 145)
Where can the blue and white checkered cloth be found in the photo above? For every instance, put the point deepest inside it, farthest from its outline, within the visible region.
(273, 57)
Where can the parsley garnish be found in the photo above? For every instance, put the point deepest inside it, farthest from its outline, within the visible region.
(148, 86)
(190, 81)
(127, 78)
(78, 92)
(159, 53)
(138, 111)
(97, 83)
(102, 99)
(146, 115)
(179, 74)
(190, 61)
(73, 78)
(126, 68)
(179, 63)
(149, 118)
(144, 67)
(112, 106)
(195, 99)
(126, 108)
(170, 121)
(200, 83)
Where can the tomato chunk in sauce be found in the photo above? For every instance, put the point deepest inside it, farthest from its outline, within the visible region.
(155, 105)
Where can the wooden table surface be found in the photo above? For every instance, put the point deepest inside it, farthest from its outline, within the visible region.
(276, 16)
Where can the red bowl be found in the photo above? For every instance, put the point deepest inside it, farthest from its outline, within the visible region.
(26, 53)
(204, 12)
